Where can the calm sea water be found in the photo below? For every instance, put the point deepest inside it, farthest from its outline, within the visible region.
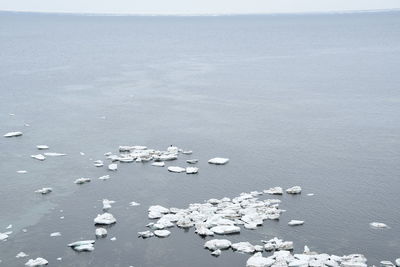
(310, 100)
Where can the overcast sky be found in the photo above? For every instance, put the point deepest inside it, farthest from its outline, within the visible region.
(195, 6)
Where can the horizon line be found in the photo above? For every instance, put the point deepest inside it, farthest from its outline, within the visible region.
(100, 14)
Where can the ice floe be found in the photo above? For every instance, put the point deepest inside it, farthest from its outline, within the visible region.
(22, 171)
(107, 204)
(98, 163)
(105, 177)
(218, 161)
(105, 218)
(295, 222)
(13, 134)
(55, 234)
(84, 245)
(176, 169)
(44, 190)
(278, 244)
(54, 154)
(4, 236)
(42, 147)
(113, 167)
(82, 180)
(145, 234)
(36, 262)
(294, 190)
(192, 170)
(101, 232)
(38, 157)
(257, 260)
(162, 233)
(215, 244)
(378, 225)
(21, 255)
(192, 161)
(134, 204)
(158, 164)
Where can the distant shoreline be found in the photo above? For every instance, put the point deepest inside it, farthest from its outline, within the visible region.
(200, 14)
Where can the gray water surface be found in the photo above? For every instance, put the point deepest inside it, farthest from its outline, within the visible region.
(309, 100)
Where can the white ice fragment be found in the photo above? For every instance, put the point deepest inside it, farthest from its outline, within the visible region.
(36, 262)
(98, 163)
(55, 234)
(274, 191)
(397, 261)
(158, 208)
(22, 171)
(82, 180)
(113, 167)
(218, 161)
(13, 134)
(192, 161)
(295, 222)
(59, 259)
(294, 190)
(298, 263)
(9, 226)
(21, 255)
(145, 234)
(134, 204)
(54, 154)
(81, 243)
(107, 204)
(101, 232)
(244, 247)
(257, 260)
(38, 157)
(187, 152)
(192, 170)
(225, 229)
(378, 225)
(44, 190)
(172, 149)
(105, 177)
(42, 147)
(113, 238)
(176, 169)
(216, 253)
(4, 236)
(105, 218)
(310, 194)
(158, 164)
(387, 264)
(87, 247)
(82, 154)
(162, 233)
(215, 244)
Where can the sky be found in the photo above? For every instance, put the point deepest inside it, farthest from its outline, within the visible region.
(195, 6)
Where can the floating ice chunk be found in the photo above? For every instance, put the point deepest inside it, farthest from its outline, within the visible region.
(82, 154)
(225, 229)
(295, 222)
(397, 262)
(218, 161)
(113, 238)
(192, 161)
(378, 225)
(105, 177)
(145, 234)
(54, 154)
(294, 190)
(101, 232)
(42, 147)
(244, 247)
(82, 180)
(134, 204)
(81, 243)
(24, 230)
(192, 170)
(310, 194)
(44, 190)
(105, 218)
(98, 163)
(187, 152)
(22, 171)
(4, 236)
(9, 226)
(176, 169)
(55, 234)
(354, 260)
(36, 262)
(298, 263)
(274, 191)
(13, 134)
(107, 154)
(215, 244)
(113, 167)
(158, 164)
(158, 208)
(203, 231)
(162, 233)
(172, 149)
(257, 260)
(59, 259)
(21, 255)
(38, 157)
(216, 253)
(278, 244)
(107, 204)
(387, 264)
(250, 226)
(87, 247)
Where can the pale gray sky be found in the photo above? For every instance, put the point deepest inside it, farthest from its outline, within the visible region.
(195, 6)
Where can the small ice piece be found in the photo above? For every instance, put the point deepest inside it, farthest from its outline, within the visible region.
(55, 234)
(295, 222)
(387, 264)
(21, 255)
(24, 230)
(9, 226)
(82, 154)
(105, 218)
(88, 247)
(172, 149)
(274, 191)
(38, 157)
(162, 233)
(225, 229)
(203, 231)
(113, 167)
(134, 204)
(59, 259)
(257, 260)
(158, 208)
(244, 247)
(101, 232)
(82, 180)
(294, 190)
(42, 147)
(397, 261)
(158, 164)
(378, 225)
(13, 134)
(176, 169)
(98, 163)
(44, 190)
(36, 262)
(107, 204)
(22, 171)
(4, 236)
(105, 177)
(215, 244)
(54, 154)
(192, 161)
(216, 253)
(192, 170)
(187, 152)
(81, 243)
(145, 234)
(300, 263)
(310, 194)
(218, 161)
(250, 226)
(113, 238)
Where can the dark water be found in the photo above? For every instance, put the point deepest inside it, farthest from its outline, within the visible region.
(310, 100)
